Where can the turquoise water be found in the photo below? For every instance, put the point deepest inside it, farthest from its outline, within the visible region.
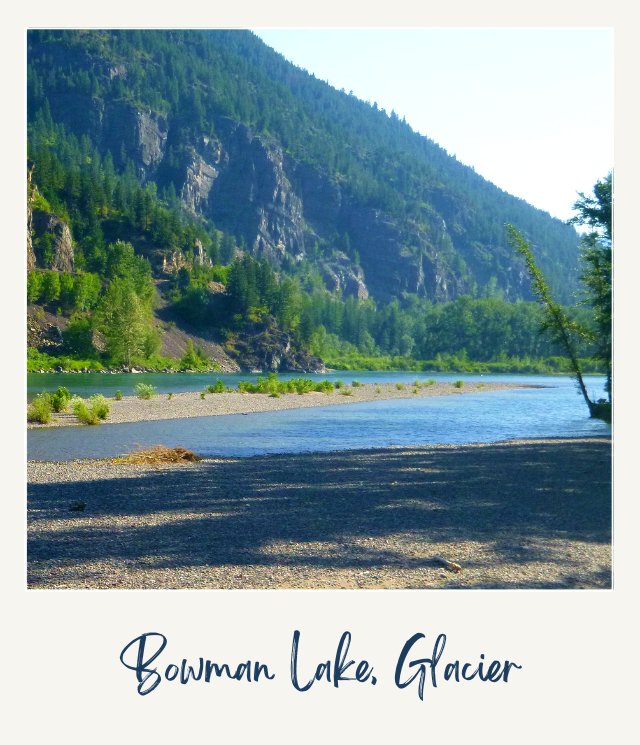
(553, 411)
(107, 383)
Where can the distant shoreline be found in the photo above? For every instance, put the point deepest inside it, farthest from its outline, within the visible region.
(420, 368)
(190, 404)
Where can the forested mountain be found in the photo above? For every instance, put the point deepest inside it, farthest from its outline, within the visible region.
(188, 150)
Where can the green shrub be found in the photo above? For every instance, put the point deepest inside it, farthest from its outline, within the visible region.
(325, 386)
(60, 399)
(430, 382)
(378, 389)
(271, 384)
(400, 386)
(74, 401)
(356, 384)
(194, 358)
(145, 391)
(346, 392)
(459, 383)
(262, 385)
(37, 361)
(170, 396)
(93, 411)
(202, 395)
(84, 413)
(416, 384)
(118, 396)
(217, 388)
(39, 410)
(34, 286)
(99, 404)
(338, 384)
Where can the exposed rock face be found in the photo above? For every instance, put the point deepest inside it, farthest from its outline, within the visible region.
(142, 134)
(44, 331)
(253, 198)
(264, 347)
(275, 206)
(397, 258)
(342, 276)
(201, 259)
(31, 257)
(322, 197)
(45, 224)
(198, 180)
(172, 262)
(118, 126)
(175, 260)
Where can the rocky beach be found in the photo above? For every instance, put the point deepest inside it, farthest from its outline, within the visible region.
(519, 514)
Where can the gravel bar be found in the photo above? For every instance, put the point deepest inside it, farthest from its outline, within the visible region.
(181, 405)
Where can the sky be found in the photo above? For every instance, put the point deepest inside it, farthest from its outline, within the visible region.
(529, 109)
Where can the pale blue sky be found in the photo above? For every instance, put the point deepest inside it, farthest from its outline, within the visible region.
(529, 109)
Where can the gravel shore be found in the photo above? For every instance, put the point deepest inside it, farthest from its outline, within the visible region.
(520, 514)
(181, 405)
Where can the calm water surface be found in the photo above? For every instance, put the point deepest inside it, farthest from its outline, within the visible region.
(556, 410)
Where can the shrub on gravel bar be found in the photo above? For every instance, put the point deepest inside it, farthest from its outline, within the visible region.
(39, 410)
(145, 391)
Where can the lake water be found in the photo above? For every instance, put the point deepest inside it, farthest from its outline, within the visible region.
(108, 383)
(554, 411)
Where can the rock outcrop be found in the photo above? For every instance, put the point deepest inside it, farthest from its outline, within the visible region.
(140, 134)
(49, 228)
(31, 256)
(199, 177)
(44, 331)
(264, 347)
(276, 207)
(253, 198)
(342, 276)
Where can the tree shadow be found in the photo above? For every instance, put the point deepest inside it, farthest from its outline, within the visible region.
(519, 503)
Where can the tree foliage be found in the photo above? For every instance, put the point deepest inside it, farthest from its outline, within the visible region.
(597, 257)
(597, 246)
(124, 320)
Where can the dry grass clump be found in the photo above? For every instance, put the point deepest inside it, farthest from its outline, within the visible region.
(158, 455)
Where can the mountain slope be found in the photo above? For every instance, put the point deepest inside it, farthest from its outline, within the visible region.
(292, 169)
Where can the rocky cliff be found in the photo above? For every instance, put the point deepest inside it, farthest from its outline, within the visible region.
(292, 168)
(31, 256)
(278, 207)
(50, 242)
(275, 205)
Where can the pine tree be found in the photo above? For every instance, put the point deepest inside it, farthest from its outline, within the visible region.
(124, 320)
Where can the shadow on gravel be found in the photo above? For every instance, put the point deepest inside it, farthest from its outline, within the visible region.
(516, 498)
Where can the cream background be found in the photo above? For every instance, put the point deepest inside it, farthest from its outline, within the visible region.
(64, 683)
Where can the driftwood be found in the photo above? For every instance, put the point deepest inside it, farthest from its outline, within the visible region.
(450, 565)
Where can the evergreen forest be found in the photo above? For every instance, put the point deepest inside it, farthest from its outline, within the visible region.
(197, 202)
